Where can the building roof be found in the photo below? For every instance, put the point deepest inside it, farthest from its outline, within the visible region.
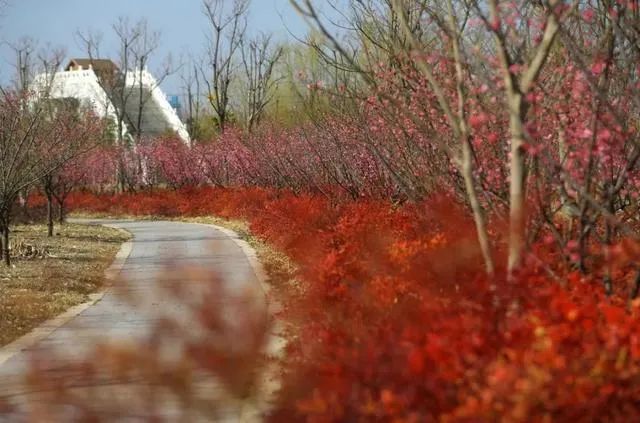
(102, 67)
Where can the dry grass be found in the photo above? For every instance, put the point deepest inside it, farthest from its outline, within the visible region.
(50, 275)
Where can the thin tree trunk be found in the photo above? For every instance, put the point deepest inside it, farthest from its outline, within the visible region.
(467, 156)
(517, 216)
(120, 172)
(5, 246)
(61, 212)
(636, 286)
(608, 278)
(516, 90)
(120, 184)
(49, 213)
(478, 213)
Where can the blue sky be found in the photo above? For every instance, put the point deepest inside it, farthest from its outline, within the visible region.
(181, 23)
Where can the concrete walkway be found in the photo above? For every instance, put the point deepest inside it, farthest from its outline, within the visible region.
(159, 250)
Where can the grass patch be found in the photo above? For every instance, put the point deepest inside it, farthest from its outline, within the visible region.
(50, 275)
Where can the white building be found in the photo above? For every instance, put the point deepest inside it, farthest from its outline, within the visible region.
(88, 81)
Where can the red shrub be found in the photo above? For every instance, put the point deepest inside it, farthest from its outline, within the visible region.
(398, 321)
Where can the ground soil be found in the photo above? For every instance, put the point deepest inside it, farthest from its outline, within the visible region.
(50, 275)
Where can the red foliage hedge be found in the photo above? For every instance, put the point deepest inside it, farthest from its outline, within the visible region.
(399, 323)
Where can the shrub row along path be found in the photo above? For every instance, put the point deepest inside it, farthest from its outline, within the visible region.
(145, 292)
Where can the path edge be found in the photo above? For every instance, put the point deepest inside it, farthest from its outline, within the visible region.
(46, 328)
(275, 347)
(249, 252)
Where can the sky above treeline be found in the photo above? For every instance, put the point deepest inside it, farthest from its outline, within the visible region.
(180, 22)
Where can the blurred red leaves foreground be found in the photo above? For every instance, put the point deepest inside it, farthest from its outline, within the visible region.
(395, 319)
(202, 358)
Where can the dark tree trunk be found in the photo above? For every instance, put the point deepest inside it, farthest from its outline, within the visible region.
(49, 213)
(5, 246)
(121, 183)
(1, 243)
(61, 212)
(636, 286)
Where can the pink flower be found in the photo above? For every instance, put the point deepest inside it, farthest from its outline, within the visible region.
(495, 24)
(476, 120)
(493, 137)
(598, 67)
(588, 15)
(586, 134)
(572, 245)
(515, 68)
(604, 135)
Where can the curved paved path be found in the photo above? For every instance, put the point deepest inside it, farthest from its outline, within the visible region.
(157, 249)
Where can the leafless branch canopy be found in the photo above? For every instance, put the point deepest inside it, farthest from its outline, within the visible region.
(227, 29)
(259, 58)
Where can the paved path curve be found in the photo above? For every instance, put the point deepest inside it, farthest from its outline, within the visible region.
(157, 248)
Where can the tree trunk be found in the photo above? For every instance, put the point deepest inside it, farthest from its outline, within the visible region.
(636, 286)
(5, 246)
(120, 183)
(517, 217)
(120, 171)
(478, 213)
(1, 243)
(61, 212)
(49, 213)
(608, 242)
(466, 167)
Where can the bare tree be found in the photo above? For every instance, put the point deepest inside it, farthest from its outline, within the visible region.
(521, 59)
(72, 131)
(142, 50)
(227, 32)
(137, 43)
(406, 14)
(517, 87)
(259, 58)
(34, 141)
(25, 53)
(192, 88)
(455, 112)
(113, 80)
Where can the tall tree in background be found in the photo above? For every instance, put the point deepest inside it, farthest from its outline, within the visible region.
(126, 88)
(25, 55)
(227, 32)
(143, 49)
(192, 88)
(259, 58)
(112, 80)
